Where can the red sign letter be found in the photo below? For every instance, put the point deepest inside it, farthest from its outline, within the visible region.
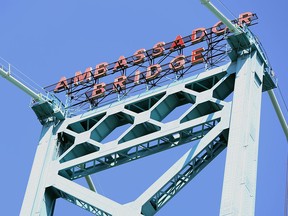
(98, 91)
(177, 63)
(139, 56)
(80, 78)
(119, 83)
(178, 43)
(219, 28)
(245, 18)
(197, 57)
(121, 63)
(100, 70)
(153, 71)
(137, 78)
(197, 35)
(158, 49)
(61, 84)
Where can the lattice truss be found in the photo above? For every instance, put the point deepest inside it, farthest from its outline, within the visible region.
(82, 151)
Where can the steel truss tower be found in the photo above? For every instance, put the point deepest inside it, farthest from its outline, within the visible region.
(72, 148)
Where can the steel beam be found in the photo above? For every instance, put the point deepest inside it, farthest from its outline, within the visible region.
(75, 148)
(184, 170)
(37, 201)
(239, 187)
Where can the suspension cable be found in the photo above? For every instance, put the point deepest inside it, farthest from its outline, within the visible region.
(231, 13)
(284, 102)
(24, 75)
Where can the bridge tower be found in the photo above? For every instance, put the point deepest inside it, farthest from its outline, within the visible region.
(72, 146)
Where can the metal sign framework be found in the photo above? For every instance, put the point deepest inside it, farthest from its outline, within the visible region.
(77, 148)
(78, 141)
(215, 50)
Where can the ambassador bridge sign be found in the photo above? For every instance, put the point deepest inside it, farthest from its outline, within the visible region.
(146, 69)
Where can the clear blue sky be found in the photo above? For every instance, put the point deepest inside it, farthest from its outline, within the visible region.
(48, 39)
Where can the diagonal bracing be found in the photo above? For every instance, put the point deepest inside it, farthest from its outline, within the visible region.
(81, 151)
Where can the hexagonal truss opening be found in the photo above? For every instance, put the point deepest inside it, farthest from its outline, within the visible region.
(140, 130)
(118, 131)
(109, 124)
(187, 135)
(170, 105)
(85, 125)
(225, 88)
(65, 141)
(79, 151)
(144, 105)
(202, 109)
(205, 84)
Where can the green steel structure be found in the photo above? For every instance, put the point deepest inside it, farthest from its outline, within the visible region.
(72, 147)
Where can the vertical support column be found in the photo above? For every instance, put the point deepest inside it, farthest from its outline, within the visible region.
(239, 187)
(38, 201)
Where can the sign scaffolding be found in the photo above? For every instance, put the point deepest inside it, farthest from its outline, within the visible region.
(146, 69)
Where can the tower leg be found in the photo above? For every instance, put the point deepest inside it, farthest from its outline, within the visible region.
(239, 187)
(38, 200)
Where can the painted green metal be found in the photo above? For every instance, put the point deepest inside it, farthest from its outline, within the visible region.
(75, 148)
(279, 112)
(7, 76)
(239, 187)
(78, 150)
(44, 107)
(233, 28)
